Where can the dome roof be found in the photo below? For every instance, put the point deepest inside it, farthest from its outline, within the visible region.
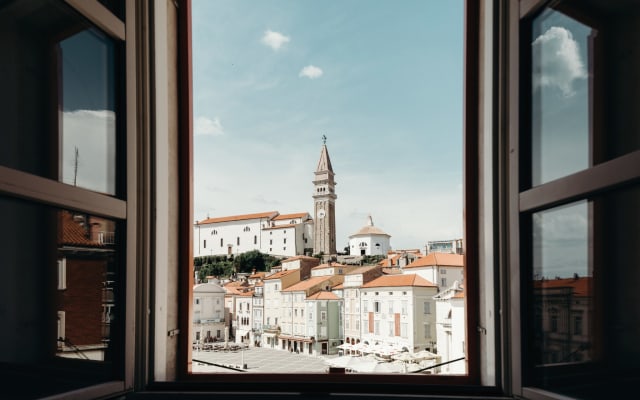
(208, 288)
(369, 230)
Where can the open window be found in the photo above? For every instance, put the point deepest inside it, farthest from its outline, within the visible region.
(65, 198)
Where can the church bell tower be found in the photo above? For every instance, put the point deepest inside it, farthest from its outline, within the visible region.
(324, 198)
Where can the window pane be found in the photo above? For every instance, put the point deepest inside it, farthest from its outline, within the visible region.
(59, 100)
(59, 289)
(562, 284)
(584, 291)
(88, 126)
(560, 95)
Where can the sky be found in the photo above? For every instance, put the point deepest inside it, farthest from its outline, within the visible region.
(382, 80)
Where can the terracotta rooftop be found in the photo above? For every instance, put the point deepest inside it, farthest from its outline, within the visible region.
(438, 259)
(323, 295)
(280, 274)
(290, 216)
(399, 280)
(581, 285)
(330, 265)
(304, 285)
(362, 270)
(299, 258)
(268, 215)
(73, 234)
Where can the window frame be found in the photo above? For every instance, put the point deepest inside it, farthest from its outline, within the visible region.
(522, 199)
(404, 383)
(122, 207)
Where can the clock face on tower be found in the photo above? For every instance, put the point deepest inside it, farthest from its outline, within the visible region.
(321, 214)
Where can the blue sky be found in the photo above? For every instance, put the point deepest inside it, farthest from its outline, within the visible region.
(381, 79)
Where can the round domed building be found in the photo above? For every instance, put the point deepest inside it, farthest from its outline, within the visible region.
(369, 241)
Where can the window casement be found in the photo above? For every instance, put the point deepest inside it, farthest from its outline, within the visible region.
(573, 178)
(68, 177)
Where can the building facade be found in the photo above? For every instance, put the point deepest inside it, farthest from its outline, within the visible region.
(369, 241)
(269, 232)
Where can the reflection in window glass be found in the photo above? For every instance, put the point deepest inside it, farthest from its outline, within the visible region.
(562, 284)
(88, 120)
(560, 114)
(87, 247)
(59, 276)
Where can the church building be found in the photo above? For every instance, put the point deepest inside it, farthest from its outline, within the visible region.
(369, 241)
(282, 235)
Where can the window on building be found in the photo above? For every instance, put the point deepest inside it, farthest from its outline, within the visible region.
(204, 243)
(427, 307)
(404, 307)
(404, 328)
(376, 307)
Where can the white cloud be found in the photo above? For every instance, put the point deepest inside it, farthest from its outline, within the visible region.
(311, 72)
(206, 126)
(275, 40)
(558, 60)
(93, 133)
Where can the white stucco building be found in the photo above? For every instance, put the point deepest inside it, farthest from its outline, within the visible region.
(351, 286)
(439, 268)
(269, 232)
(208, 312)
(451, 329)
(398, 311)
(369, 241)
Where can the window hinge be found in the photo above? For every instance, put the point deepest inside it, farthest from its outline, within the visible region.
(173, 332)
(482, 330)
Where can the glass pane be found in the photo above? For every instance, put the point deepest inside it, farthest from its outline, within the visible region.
(59, 100)
(560, 95)
(562, 285)
(88, 126)
(585, 291)
(316, 127)
(59, 287)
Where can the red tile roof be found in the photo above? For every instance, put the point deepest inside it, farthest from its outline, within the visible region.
(299, 258)
(291, 216)
(73, 234)
(304, 285)
(581, 285)
(268, 215)
(323, 295)
(280, 274)
(330, 265)
(438, 259)
(399, 280)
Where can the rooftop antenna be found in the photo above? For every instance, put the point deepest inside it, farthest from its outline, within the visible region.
(75, 165)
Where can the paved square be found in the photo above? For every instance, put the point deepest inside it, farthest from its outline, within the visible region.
(258, 360)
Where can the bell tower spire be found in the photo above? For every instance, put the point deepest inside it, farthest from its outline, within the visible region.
(324, 198)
